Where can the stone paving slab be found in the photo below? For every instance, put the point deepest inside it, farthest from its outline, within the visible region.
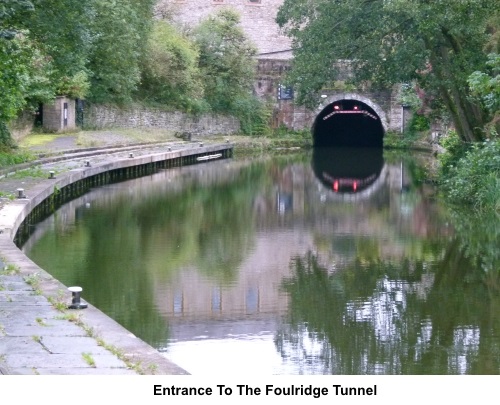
(65, 360)
(80, 371)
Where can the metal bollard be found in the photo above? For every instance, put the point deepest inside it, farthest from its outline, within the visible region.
(75, 301)
(20, 193)
(52, 174)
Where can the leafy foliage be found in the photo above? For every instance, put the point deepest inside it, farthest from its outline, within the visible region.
(23, 78)
(12, 11)
(228, 69)
(226, 60)
(120, 30)
(70, 47)
(475, 178)
(170, 73)
(76, 86)
(487, 86)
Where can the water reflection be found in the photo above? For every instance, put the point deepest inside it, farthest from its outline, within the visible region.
(375, 317)
(261, 257)
(347, 170)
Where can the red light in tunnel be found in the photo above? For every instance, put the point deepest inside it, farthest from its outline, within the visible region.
(355, 107)
(336, 107)
(336, 185)
(355, 186)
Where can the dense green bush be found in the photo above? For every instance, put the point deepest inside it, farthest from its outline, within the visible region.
(474, 179)
(228, 69)
(419, 123)
(454, 148)
(170, 72)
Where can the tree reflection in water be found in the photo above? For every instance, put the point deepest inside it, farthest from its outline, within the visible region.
(376, 317)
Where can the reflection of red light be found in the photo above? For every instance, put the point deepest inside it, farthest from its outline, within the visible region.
(355, 186)
(336, 107)
(336, 185)
(355, 107)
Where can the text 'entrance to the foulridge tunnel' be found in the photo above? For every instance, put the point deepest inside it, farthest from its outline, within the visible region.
(348, 123)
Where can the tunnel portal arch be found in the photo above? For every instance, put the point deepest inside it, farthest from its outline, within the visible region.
(349, 120)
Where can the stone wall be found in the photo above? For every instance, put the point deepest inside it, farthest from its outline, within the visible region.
(21, 126)
(270, 73)
(101, 117)
(257, 20)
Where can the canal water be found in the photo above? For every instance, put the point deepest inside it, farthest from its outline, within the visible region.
(329, 262)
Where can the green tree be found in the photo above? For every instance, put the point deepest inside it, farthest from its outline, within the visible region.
(24, 69)
(11, 13)
(226, 60)
(61, 30)
(120, 30)
(437, 44)
(170, 72)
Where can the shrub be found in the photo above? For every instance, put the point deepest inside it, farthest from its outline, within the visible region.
(170, 73)
(475, 178)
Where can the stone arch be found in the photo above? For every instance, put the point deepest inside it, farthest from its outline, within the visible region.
(330, 99)
(349, 119)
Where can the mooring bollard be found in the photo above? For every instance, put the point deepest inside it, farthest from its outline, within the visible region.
(87, 163)
(75, 301)
(130, 155)
(20, 193)
(201, 144)
(52, 174)
(169, 149)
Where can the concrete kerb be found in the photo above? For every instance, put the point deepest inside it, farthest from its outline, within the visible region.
(116, 338)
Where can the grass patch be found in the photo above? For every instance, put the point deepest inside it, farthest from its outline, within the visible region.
(34, 172)
(87, 357)
(40, 322)
(10, 270)
(34, 281)
(58, 301)
(71, 317)
(7, 195)
(15, 157)
(35, 140)
(408, 140)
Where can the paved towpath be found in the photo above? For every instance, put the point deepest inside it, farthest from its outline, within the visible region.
(38, 334)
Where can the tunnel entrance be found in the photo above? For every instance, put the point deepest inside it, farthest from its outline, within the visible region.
(348, 123)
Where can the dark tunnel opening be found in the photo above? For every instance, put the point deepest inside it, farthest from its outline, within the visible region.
(348, 123)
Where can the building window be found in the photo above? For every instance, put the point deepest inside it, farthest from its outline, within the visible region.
(254, 1)
(217, 1)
